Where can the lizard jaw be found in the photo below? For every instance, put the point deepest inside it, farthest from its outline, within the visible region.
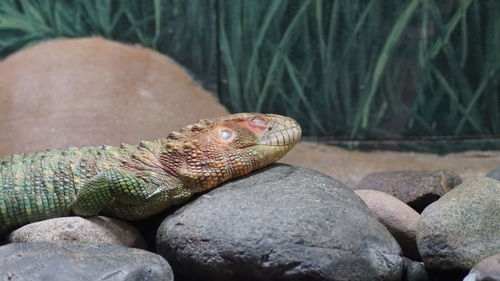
(283, 133)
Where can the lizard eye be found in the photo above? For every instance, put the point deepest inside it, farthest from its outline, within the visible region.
(258, 122)
(225, 134)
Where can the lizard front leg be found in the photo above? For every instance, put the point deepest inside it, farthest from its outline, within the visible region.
(112, 187)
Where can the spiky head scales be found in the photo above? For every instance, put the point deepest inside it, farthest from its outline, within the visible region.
(209, 152)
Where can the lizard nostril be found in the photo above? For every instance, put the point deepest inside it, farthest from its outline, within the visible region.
(270, 128)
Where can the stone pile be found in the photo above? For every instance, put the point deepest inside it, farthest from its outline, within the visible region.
(283, 223)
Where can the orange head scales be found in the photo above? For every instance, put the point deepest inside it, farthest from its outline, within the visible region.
(210, 152)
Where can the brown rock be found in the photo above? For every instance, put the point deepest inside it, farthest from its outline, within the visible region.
(415, 188)
(77, 229)
(396, 216)
(486, 270)
(91, 91)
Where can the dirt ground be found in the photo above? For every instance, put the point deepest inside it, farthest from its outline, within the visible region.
(351, 166)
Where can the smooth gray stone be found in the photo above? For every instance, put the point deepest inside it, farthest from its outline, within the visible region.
(80, 261)
(415, 271)
(98, 229)
(462, 228)
(280, 223)
(494, 174)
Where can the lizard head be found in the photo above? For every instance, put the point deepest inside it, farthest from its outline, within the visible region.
(210, 152)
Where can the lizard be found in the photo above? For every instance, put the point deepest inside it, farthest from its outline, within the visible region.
(132, 182)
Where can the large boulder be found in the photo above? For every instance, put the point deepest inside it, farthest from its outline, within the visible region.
(461, 228)
(280, 223)
(92, 91)
(79, 261)
(77, 229)
(418, 189)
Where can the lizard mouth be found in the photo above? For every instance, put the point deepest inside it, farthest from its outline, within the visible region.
(282, 133)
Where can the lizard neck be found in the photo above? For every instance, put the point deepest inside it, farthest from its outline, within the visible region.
(146, 157)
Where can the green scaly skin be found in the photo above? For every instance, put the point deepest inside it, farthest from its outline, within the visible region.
(136, 181)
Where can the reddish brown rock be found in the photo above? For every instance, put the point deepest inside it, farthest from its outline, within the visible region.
(418, 189)
(396, 216)
(91, 91)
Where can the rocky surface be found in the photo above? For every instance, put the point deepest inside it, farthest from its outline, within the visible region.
(92, 91)
(280, 223)
(486, 270)
(418, 189)
(350, 166)
(494, 174)
(77, 229)
(80, 261)
(396, 216)
(462, 227)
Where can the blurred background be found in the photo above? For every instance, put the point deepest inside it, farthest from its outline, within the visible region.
(419, 75)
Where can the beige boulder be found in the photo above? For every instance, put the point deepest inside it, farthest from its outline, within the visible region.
(92, 91)
(399, 218)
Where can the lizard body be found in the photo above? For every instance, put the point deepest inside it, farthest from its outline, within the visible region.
(136, 181)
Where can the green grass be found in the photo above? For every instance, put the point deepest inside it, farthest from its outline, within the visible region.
(349, 69)
(369, 68)
(185, 30)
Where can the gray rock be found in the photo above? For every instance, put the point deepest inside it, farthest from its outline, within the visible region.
(418, 189)
(80, 261)
(280, 223)
(486, 270)
(396, 216)
(77, 229)
(494, 174)
(461, 228)
(415, 271)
